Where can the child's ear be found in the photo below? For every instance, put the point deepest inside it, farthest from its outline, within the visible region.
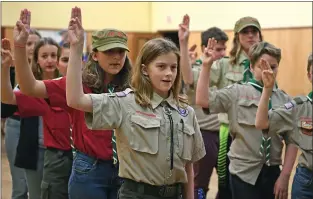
(144, 70)
(94, 56)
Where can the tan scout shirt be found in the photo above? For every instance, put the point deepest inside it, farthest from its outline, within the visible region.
(297, 118)
(240, 102)
(226, 74)
(143, 136)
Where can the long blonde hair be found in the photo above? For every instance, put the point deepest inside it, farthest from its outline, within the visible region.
(141, 83)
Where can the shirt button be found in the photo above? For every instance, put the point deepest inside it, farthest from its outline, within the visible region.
(168, 158)
(168, 138)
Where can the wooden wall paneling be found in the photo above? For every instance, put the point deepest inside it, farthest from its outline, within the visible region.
(136, 41)
(8, 33)
(295, 43)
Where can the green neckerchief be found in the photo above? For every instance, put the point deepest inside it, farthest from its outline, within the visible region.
(310, 96)
(115, 157)
(199, 61)
(247, 74)
(259, 87)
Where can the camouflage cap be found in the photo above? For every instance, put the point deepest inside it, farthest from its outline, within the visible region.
(245, 22)
(107, 39)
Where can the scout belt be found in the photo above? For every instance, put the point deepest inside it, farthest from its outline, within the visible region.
(166, 191)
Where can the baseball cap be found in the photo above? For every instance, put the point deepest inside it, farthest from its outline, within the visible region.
(245, 22)
(107, 39)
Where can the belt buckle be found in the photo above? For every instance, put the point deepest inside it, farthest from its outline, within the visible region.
(167, 191)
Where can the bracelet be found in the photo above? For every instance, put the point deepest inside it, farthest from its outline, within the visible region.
(19, 45)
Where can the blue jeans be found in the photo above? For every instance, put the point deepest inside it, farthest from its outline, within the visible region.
(302, 186)
(92, 178)
(12, 134)
(34, 178)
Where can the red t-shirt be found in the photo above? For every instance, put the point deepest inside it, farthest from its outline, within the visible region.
(56, 121)
(95, 143)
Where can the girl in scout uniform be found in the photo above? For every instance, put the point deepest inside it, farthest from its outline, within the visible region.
(94, 174)
(56, 124)
(254, 155)
(294, 116)
(12, 128)
(225, 71)
(158, 136)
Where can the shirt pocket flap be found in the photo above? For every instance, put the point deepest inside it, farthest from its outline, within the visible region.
(145, 122)
(234, 76)
(246, 112)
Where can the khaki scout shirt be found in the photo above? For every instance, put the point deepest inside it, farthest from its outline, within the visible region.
(298, 119)
(143, 136)
(240, 102)
(222, 74)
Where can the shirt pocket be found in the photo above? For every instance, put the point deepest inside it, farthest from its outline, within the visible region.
(144, 134)
(306, 134)
(185, 141)
(233, 77)
(246, 112)
(59, 118)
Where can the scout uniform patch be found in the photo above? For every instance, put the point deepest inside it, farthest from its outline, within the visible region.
(288, 105)
(306, 125)
(183, 112)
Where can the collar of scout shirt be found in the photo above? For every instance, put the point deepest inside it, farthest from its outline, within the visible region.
(242, 57)
(157, 100)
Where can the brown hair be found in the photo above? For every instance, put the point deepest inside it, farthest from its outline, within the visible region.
(37, 71)
(236, 49)
(93, 76)
(141, 83)
(260, 48)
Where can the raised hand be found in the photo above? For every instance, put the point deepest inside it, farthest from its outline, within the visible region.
(6, 56)
(21, 29)
(209, 53)
(183, 31)
(75, 28)
(193, 54)
(268, 77)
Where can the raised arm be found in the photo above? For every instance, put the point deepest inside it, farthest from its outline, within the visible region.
(202, 93)
(27, 82)
(183, 35)
(7, 95)
(75, 96)
(262, 121)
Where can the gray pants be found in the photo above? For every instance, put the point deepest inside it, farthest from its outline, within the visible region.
(56, 174)
(34, 178)
(12, 135)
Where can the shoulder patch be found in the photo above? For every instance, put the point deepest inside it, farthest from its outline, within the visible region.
(289, 105)
(123, 93)
(183, 111)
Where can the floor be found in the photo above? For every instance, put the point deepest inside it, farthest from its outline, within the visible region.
(6, 178)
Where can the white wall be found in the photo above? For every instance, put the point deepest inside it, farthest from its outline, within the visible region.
(167, 15)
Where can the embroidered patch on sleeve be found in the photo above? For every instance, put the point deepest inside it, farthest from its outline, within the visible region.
(289, 105)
